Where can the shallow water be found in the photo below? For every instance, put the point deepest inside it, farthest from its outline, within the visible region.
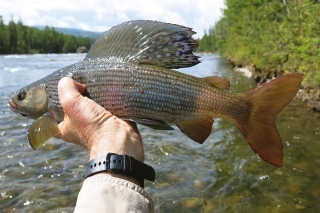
(221, 175)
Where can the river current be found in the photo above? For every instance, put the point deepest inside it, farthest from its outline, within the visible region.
(221, 175)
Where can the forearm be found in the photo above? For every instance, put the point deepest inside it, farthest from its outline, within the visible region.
(103, 192)
(125, 145)
(88, 124)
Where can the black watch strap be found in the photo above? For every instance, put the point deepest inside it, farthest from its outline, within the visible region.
(121, 164)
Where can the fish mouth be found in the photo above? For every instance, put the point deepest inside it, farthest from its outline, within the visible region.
(14, 107)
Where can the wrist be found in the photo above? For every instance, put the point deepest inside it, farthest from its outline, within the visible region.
(121, 166)
(104, 147)
(123, 141)
(100, 150)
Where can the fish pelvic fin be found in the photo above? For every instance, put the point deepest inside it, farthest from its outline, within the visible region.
(198, 128)
(147, 42)
(265, 102)
(42, 130)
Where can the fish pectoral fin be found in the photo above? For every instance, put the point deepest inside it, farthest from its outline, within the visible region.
(198, 129)
(157, 125)
(216, 81)
(42, 130)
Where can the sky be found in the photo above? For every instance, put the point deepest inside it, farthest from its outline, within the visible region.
(101, 15)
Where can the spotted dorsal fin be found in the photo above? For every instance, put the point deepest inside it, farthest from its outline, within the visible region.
(147, 42)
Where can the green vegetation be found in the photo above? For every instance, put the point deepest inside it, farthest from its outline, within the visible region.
(278, 35)
(16, 38)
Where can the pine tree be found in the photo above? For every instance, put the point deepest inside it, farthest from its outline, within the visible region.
(13, 38)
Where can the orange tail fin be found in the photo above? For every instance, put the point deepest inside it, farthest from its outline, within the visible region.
(265, 103)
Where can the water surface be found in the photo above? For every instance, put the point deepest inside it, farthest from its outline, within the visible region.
(221, 175)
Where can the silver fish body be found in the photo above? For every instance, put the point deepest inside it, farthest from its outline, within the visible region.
(142, 91)
(128, 71)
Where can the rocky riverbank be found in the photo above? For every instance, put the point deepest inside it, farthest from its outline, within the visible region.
(310, 95)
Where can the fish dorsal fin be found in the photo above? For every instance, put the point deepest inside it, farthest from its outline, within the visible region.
(217, 82)
(147, 42)
(198, 128)
(42, 130)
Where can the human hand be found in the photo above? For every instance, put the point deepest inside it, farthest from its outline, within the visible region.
(88, 124)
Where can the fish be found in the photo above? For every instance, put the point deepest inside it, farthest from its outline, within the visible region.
(129, 70)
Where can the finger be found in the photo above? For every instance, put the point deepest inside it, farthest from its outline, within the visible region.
(59, 135)
(133, 125)
(69, 90)
(70, 97)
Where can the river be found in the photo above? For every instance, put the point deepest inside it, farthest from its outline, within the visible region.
(221, 175)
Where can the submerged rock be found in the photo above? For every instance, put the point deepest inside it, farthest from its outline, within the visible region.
(193, 202)
(311, 96)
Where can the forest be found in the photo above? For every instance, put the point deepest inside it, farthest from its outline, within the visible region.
(16, 38)
(271, 37)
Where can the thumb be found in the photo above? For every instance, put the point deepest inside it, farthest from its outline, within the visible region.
(69, 91)
(70, 96)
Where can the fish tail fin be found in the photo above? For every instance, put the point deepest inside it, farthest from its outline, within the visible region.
(265, 102)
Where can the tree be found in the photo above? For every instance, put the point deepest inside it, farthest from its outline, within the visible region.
(22, 41)
(3, 37)
(274, 36)
(17, 38)
(13, 38)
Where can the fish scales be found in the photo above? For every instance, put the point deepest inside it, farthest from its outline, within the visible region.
(128, 71)
(143, 91)
(149, 92)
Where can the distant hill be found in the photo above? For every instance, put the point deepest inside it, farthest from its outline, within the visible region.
(75, 32)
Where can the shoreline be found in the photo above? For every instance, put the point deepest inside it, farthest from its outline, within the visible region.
(309, 95)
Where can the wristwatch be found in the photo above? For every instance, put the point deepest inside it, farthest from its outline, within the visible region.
(121, 164)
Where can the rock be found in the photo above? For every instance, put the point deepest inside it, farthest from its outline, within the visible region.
(193, 202)
(315, 105)
(245, 71)
(299, 206)
(311, 96)
(82, 49)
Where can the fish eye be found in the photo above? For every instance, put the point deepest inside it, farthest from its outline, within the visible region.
(21, 95)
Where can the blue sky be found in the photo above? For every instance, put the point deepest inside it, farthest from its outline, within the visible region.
(101, 15)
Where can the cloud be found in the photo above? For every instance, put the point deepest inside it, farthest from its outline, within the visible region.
(101, 15)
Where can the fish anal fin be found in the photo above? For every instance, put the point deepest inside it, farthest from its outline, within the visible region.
(216, 81)
(42, 130)
(157, 125)
(198, 128)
